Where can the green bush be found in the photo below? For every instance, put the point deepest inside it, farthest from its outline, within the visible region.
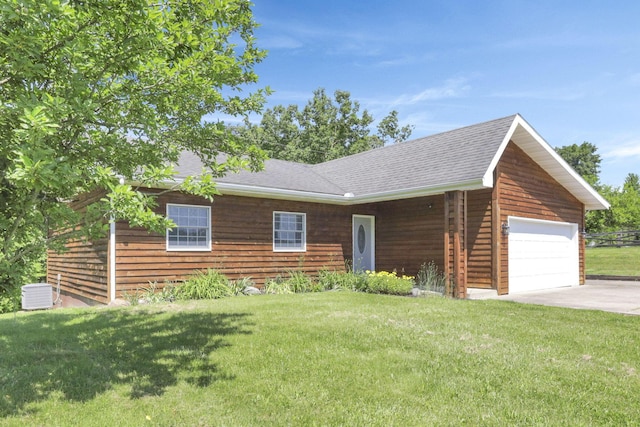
(210, 284)
(334, 280)
(384, 282)
(237, 287)
(10, 299)
(299, 282)
(277, 286)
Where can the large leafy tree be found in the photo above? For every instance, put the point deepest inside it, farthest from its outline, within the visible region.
(584, 159)
(325, 129)
(95, 94)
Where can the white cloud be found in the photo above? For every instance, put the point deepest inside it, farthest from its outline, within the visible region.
(452, 88)
(546, 95)
(624, 151)
(280, 42)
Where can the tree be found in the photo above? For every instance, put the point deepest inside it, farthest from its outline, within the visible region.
(98, 93)
(324, 129)
(584, 159)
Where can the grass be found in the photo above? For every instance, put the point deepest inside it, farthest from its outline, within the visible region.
(624, 261)
(332, 358)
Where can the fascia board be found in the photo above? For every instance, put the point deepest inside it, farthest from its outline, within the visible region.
(594, 201)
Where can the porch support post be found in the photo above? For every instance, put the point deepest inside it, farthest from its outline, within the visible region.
(455, 252)
(496, 234)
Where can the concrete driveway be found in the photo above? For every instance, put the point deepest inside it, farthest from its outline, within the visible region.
(606, 295)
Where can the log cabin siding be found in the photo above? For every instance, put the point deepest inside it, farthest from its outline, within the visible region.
(479, 239)
(526, 190)
(83, 268)
(242, 242)
(409, 234)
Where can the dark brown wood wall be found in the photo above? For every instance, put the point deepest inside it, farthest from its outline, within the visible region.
(83, 268)
(479, 239)
(526, 190)
(242, 242)
(409, 234)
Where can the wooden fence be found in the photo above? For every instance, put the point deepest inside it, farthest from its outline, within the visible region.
(614, 239)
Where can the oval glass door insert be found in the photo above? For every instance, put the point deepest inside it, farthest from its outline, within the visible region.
(361, 239)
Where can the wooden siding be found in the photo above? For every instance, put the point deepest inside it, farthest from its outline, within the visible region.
(242, 242)
(479, 241)
(409, 234)
(526, 190)
(83, 268)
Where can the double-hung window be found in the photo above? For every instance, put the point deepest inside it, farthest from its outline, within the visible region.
(192, 231)
(289, 232)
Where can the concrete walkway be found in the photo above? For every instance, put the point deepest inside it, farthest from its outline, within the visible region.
(606, 295)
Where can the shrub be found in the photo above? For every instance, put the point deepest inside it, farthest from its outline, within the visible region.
(210, 284)
(10, 299)
(238, 287)
(150, 294)
(430, 279)
(299, 282)
(277, 286)
(384, 282)
(334, 280)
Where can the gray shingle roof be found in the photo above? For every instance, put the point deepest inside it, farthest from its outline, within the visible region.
(447, 158)
(461, 159)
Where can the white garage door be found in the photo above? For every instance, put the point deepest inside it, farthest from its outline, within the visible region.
(542, 254)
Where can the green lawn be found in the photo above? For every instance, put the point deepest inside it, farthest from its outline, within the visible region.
(333, 358)
(613, 261)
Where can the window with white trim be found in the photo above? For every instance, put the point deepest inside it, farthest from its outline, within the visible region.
(192, 231)
(289, 232)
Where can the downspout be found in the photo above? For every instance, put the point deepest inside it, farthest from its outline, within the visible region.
(112, 259)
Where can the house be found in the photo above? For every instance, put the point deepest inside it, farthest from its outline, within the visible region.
(492, 204)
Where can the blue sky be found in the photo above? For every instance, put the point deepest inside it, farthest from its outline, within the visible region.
(570, 68)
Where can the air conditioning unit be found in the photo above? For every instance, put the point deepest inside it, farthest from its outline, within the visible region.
(37, 296)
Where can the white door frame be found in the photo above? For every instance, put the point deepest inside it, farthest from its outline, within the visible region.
(371, 242)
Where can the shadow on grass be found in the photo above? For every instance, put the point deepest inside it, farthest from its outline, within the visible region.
(78, 355)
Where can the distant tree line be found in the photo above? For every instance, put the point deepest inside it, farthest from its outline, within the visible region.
(624, 213)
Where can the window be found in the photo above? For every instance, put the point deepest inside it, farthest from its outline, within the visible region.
(289, 232)
(193, 228)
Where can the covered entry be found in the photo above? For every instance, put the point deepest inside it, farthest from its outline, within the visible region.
(542, 254)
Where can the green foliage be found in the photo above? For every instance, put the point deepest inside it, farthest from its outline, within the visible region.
(342, 280)
(624, 213)
(584, 159)
(91, 92)
(430, 279)
(277, 286)
(209, 284)
(384, 282)
(10, 299)
(299, 281)
(238, 286)
(324, 129)
(152, 294)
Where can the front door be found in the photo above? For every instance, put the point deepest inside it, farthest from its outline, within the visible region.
(364, 243)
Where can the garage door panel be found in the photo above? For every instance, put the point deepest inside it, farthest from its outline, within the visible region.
(542, 254)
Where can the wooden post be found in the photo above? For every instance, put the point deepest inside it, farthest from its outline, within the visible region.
(496, 233)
